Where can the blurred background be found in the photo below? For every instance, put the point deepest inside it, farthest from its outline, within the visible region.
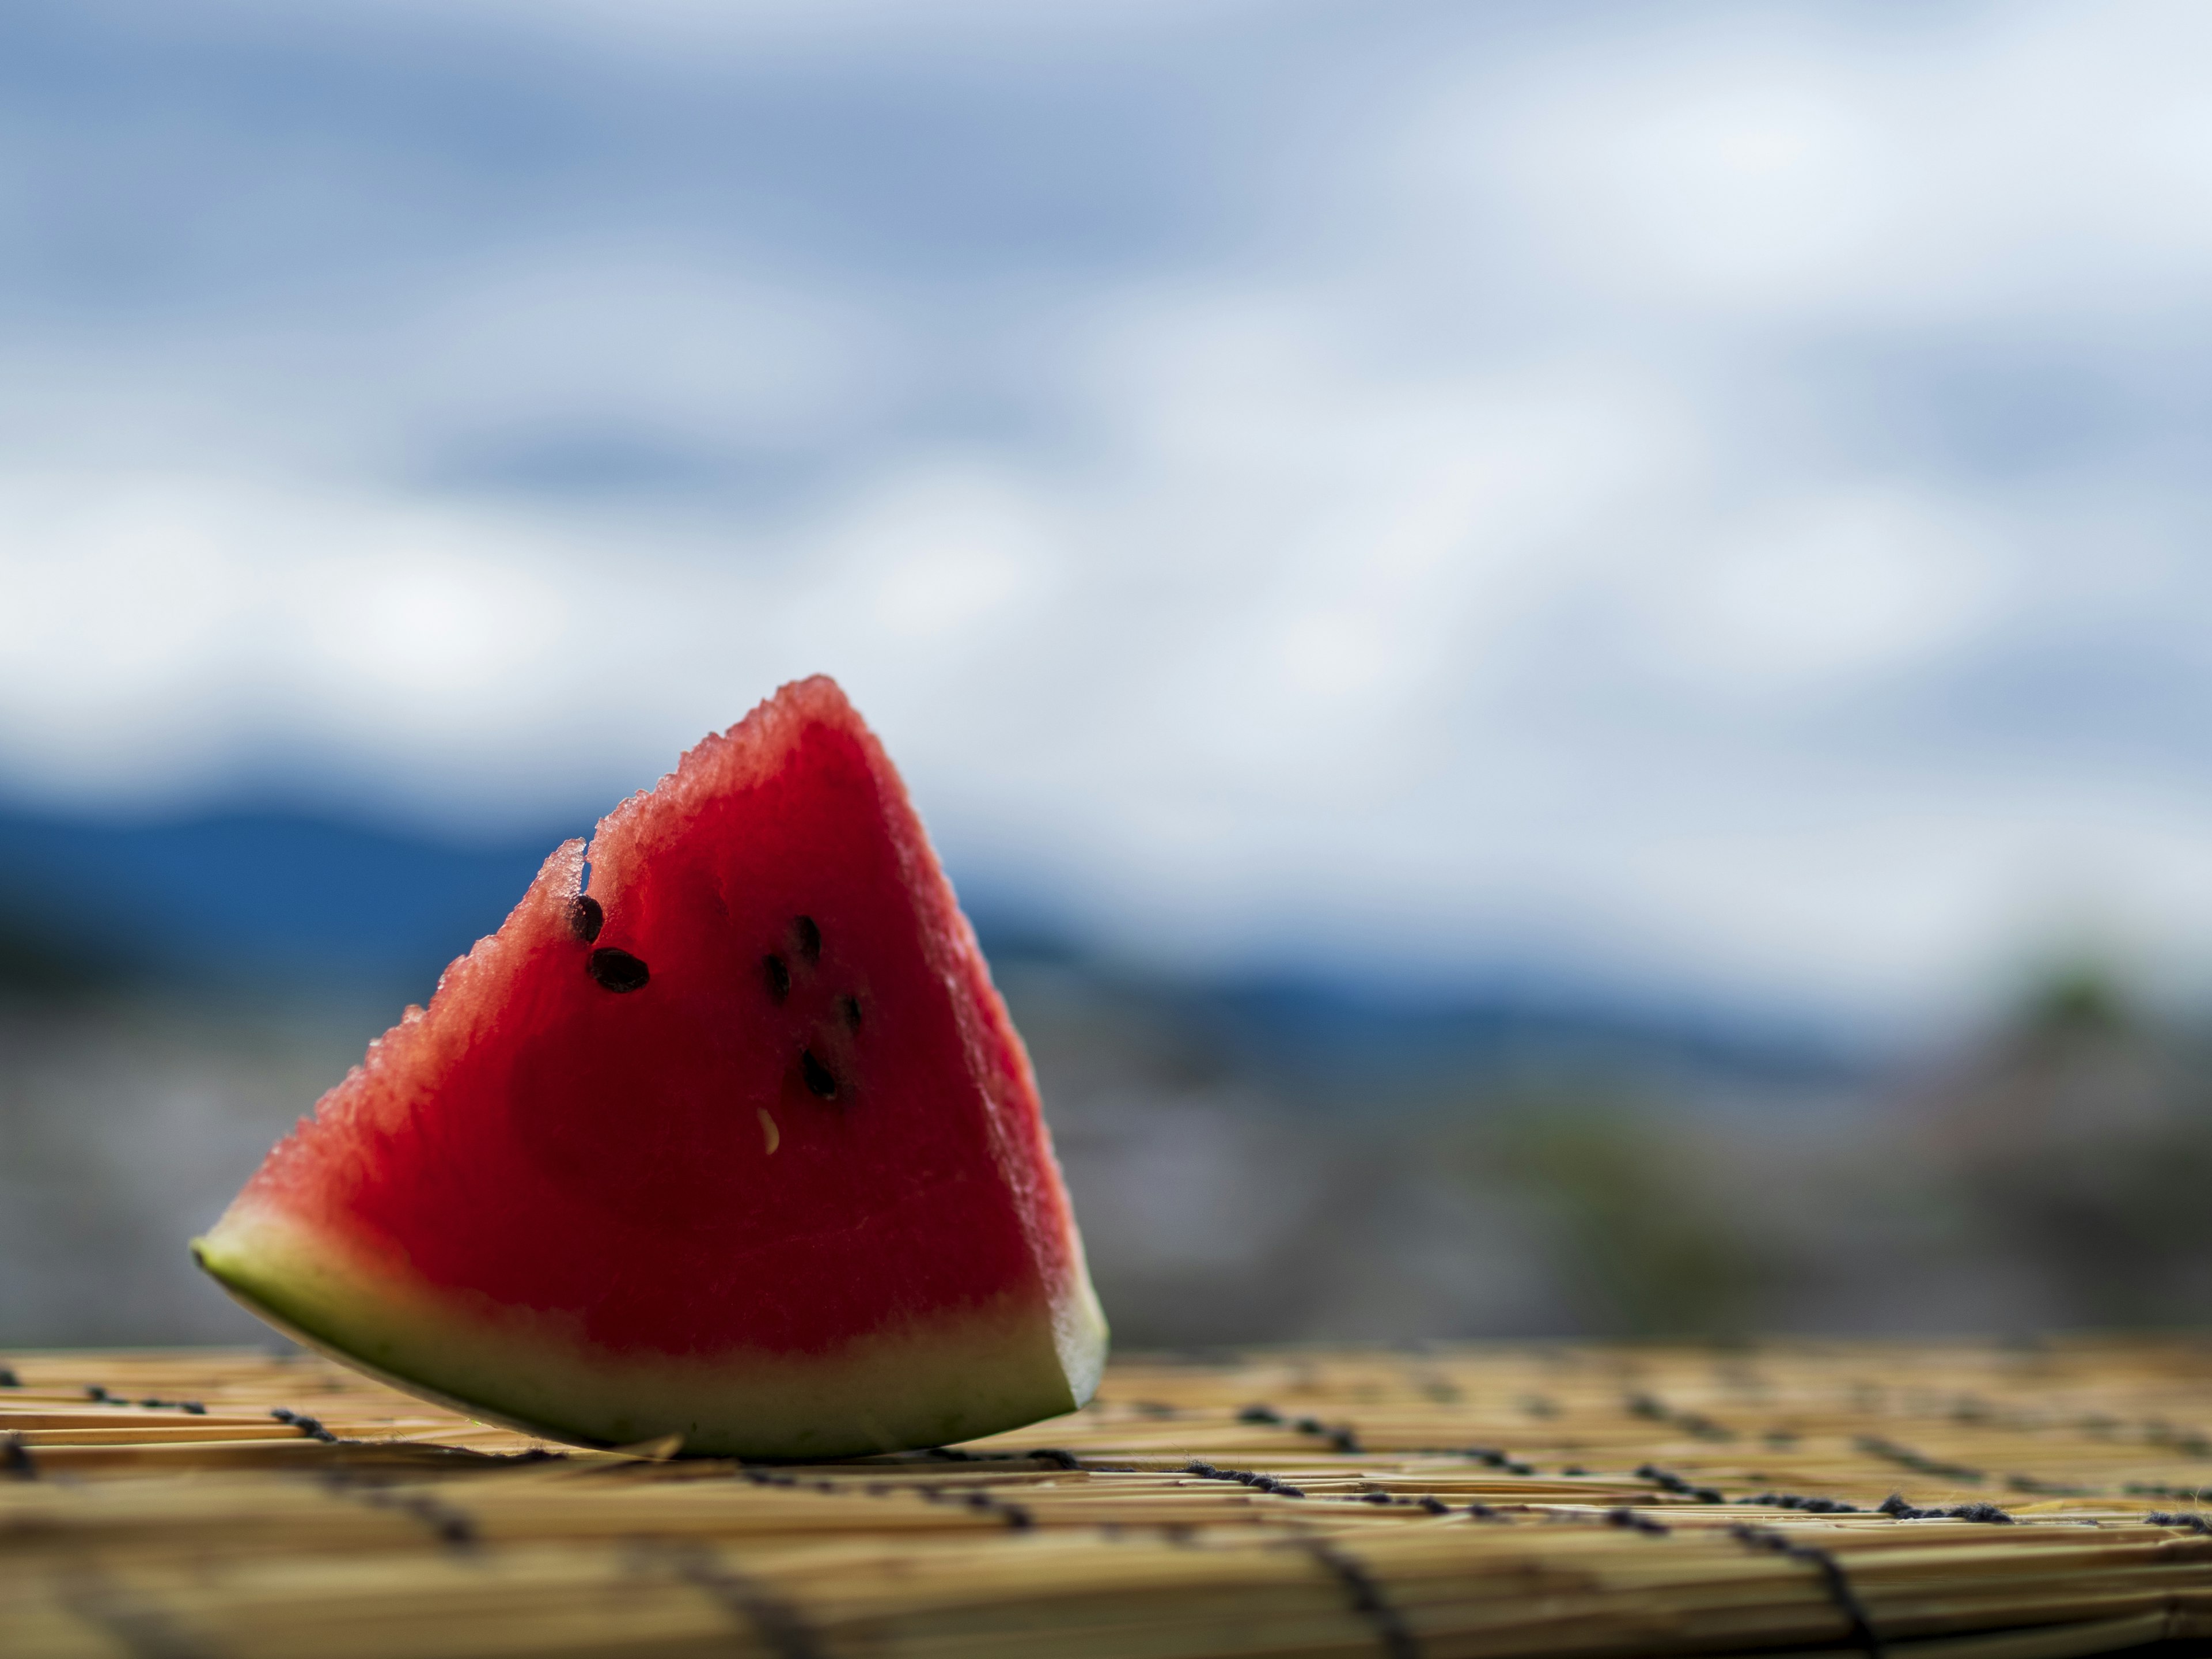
(1561, 647)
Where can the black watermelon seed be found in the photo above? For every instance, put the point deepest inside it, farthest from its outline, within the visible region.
(585, 918)
(777, 975)
(809, 936)
(618, 970)
(817, 1075)
(850, 1007)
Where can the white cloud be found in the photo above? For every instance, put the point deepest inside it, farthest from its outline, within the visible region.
(1447, 548)
(1816, 591)
(661, 339)
(1953, 166)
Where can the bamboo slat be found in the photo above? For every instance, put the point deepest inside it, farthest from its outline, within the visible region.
(1454, 1503)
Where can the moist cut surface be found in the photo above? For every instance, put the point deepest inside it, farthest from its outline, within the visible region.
(736, 1142)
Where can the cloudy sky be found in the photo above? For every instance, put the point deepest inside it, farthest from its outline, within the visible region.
(1710, 497)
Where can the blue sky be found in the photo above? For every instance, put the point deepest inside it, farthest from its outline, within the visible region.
(1712, 497)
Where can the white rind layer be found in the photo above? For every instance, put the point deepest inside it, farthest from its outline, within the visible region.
(953, 1376)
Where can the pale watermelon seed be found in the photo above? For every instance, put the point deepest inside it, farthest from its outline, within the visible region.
(850, 1007)
(817, 1076)
(809, 936)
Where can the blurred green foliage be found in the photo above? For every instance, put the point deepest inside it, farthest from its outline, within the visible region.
(1640, 1243)
(2081, 1141)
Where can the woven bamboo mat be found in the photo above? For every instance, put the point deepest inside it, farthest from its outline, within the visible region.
(2042, 1502)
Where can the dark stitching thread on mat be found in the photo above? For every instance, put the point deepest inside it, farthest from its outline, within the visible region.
(1496, 1458)
(1367, 1600)
(1428, 1503)
(1919, 1463)
(1654, 1409)
(452, 1524)
(15, 1458)
(143, 1630)
(1897, 1508)
(1014, 1514)
(1252, 1477)
(1790, 1500)
(1343, 1437)
(774, 1620)
(8, 1379)
(2161, 1433)
(2034, 1484)
(1667, 1480)
(1832, 1575)
(1055, 1455)
(1017, 1517)
(310, 1426)
(2189, 1518)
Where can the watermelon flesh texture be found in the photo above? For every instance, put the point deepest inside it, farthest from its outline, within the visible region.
(740, 1145)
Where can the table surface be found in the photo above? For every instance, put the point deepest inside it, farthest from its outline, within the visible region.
(2041, 1500)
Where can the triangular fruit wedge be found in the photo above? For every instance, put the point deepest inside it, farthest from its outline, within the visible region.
(738, 1144)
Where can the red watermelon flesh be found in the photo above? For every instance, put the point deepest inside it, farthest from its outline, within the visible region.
(740, 1145)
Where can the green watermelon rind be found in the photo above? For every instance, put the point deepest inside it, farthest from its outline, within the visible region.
(956, 1377)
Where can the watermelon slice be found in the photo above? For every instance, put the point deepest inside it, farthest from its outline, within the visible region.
(739, 1145)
